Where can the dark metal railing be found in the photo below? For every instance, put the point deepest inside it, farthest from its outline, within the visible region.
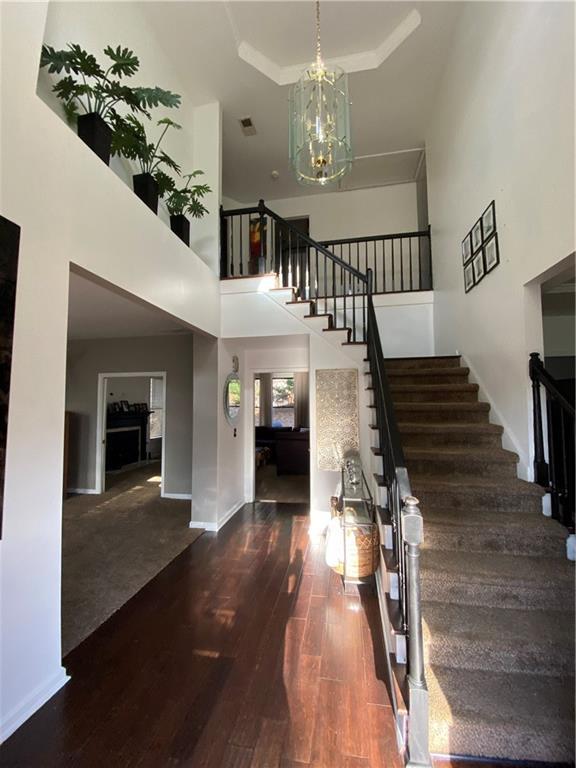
(407, 535)
(256, 241)
(400, 263)
(556, 471)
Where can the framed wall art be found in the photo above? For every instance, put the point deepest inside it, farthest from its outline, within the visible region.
(491, 253)
(480, 249)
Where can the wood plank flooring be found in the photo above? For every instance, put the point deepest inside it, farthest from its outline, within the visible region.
(244, 652)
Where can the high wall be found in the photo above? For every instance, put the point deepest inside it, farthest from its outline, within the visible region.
(71, 208)
(333, 215)
(172, 355)
(504, 130)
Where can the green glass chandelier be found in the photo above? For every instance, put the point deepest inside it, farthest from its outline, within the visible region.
(320, 148)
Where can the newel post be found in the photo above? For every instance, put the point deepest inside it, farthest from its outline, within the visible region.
(413, 535)
(262, 257)
(541, 475)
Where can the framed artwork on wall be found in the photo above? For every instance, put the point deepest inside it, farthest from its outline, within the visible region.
(478, 267)
(489, 222)
(491, 253)
(477, 236)
(9, 247)
(466, 249)
(468, 278)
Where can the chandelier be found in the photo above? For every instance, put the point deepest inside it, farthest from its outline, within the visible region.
(320, 149)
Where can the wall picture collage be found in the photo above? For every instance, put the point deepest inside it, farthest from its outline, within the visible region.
(480, 252)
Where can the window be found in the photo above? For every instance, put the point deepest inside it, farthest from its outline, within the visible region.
(257, 402)
(283, 401)
(157, 406)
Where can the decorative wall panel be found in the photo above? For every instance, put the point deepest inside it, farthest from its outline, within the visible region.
(336, 416)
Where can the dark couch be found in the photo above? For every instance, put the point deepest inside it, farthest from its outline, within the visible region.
(289, 448)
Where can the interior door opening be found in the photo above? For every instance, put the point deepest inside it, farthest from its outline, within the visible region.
(282, 437)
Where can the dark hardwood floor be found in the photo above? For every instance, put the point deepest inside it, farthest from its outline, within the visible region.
(244, 652)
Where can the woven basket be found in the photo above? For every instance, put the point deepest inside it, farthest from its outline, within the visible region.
(362, 551)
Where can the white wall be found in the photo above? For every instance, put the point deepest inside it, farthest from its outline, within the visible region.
(503, 128)
(406, 324)
(86, 359)
(71, 208)
(333, 215)
(133, 389)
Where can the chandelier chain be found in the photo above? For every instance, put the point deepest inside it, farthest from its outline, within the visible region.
(318, 51)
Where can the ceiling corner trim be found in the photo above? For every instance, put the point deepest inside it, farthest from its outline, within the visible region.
(355, 62)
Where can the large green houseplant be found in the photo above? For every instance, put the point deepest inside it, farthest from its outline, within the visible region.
(186, 200)
(91, 94)
(129, 139)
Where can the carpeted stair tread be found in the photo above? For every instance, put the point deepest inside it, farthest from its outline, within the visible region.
(431, 405)
(509, 581)
(464, 483)
(407, 427)
(478, 530)
(433, 388)
(438, 361)
(537, 642)
(471, 454)
(494, 715)
(423, 373)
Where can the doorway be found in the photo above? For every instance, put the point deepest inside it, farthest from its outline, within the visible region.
(131, 421)
(281, 437)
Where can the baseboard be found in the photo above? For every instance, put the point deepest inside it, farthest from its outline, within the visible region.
(215, 527)
(31, 703)
(183, 496)
(92, 491)
(205, 526)
(231, 512)
(508, 440)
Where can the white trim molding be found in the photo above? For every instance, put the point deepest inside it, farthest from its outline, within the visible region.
(215, 527)
(31, 703)
(212, 527)
(83, 491)
(183, 496)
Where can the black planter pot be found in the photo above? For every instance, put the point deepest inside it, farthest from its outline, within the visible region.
(181, 226)
(97, 134)
(146, 188)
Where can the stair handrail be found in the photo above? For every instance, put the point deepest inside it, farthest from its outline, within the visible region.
(408, 530)
(372, 238)
(263, 209)
(556, 473)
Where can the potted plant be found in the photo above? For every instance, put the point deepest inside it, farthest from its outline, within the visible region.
(90, 93)
(129, 139)
(185, 200)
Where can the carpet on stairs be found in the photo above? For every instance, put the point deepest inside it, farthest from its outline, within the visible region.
(497, 589)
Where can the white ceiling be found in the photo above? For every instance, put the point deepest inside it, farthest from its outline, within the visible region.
(391, 105)
(96, 312)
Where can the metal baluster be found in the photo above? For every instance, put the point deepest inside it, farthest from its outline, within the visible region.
(401, 265)
(354, 308)
(334, 287)
(393, 270)
(429, 241)
(232, 245)
(410, 255)
(316, 276)
(344, 293)
(375, 270)
(540, 467)
(223, 245)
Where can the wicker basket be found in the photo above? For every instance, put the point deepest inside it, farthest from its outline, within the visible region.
(361, 544)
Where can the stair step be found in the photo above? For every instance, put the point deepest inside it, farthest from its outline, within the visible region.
(495, 715)
(427, 375)
(302, 302)
(441, 412)
(439, 361)
(443, 461)
(434, 393)
(506, 581)
(462, 491)
(477, 637)
(323, 316)
(450, 434)
(347, 331)
(481, 530)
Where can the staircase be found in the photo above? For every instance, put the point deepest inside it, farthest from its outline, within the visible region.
(497, 590)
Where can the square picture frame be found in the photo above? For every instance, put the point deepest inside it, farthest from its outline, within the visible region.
(489, 222)
(491, 253)
(477, 236)
(468, 277)
(478, 266)
(466, 249)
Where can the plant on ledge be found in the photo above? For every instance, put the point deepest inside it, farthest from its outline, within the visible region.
(90, 89)
(186, 200)
(129, 139)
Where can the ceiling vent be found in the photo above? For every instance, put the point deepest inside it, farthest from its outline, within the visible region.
(247, 126)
